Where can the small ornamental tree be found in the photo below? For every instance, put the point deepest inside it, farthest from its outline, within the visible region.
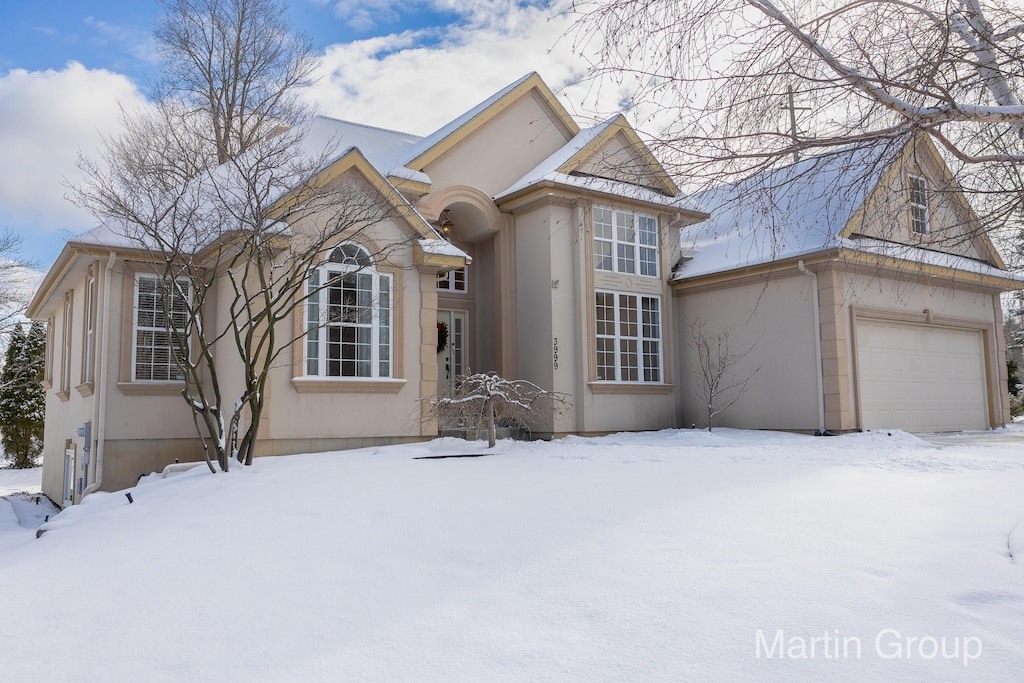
(719, 385)
(483, 400)
(22, 397)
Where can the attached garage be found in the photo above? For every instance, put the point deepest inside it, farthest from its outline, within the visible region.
(920, 378)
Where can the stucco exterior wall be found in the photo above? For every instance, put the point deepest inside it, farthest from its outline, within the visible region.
(556, 285)
(534, 333)
(500, 153)
(887, 213)
(775, 321)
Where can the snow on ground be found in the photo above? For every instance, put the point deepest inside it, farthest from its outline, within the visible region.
(668, 556)
(21, 506)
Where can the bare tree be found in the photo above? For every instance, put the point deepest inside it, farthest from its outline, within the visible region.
(219, 188)
(717, 83)
(719, 385)
(485, 400)
(236, 61)
(16, 281)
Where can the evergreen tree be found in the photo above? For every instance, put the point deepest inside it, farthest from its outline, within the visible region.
(22, 397)
(1012, 379)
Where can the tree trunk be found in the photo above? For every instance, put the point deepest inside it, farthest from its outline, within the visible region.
(490, 423)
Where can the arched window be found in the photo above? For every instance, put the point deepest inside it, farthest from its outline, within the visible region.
(351, 255)
(349, 317)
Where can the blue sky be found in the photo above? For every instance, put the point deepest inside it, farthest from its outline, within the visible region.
(66, 68)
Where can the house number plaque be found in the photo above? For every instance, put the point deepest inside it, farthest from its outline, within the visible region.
(554, 353)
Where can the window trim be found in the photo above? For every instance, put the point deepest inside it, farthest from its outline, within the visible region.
(617, 337)
(919, 206)
(134, 329)
(48, 355)
(322, 382)
(637, 244)
(89, 319)
(449, 276)
(64, 389)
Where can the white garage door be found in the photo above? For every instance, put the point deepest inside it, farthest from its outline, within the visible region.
(921, 378)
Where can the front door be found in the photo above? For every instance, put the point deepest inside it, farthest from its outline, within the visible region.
(451, 347)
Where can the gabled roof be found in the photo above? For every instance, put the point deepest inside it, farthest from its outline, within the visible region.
(106, 237)
(801, 209)
(559, 168)
(380, 146)
(447, 136)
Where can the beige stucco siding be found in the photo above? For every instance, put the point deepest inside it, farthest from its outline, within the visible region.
(356, 408)
(534, 334)
(500, 153)
(776, 322)
(887, 213)
(556, 285)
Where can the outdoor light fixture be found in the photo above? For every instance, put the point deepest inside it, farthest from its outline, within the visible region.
(445, 224)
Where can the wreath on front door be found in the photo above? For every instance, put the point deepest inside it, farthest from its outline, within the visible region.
(442, 336)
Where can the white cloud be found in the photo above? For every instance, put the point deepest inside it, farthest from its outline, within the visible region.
(365, 15)
(416, 81)
(137, 41)
(46, 118)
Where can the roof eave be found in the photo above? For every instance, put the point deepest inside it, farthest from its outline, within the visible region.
(554, 189)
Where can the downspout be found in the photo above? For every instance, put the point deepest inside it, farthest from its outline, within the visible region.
(817, 346)
(99, 375)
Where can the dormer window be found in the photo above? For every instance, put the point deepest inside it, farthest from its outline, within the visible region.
(919, 205)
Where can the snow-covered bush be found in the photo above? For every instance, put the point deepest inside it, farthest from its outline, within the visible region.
(484, 400)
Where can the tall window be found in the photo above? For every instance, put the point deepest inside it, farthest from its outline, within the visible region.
(48, 372)
(65, 346)
(349, 317)
(452, 281)
(625, 242)
(161, 321)
(919, 205)
(628, 340)
(89, 332)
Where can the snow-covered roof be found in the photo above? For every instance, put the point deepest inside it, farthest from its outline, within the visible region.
(930, 257)
(441, 247)
(425, 144)
(788, 212)
(548, 170)
(383, 148)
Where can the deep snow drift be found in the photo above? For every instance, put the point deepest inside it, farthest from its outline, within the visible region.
(677, 555)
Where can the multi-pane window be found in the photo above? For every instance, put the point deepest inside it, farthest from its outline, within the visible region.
(628, 342)
(161, 322)
(48, 371)
(88, 347)
(349, 317)
(625, 242)
(65, 345)
(452, 281)
(919, 205)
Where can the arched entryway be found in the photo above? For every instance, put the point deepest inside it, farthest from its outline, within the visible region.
(470, 304)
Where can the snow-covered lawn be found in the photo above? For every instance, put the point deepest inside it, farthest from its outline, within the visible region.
(669, 556)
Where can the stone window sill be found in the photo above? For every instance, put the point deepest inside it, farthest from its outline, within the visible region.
(341, 385)
(630, 388)
(150, 388)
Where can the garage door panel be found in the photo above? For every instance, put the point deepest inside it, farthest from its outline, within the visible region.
(921, 377)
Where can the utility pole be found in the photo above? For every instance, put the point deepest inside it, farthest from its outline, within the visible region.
(793, 131)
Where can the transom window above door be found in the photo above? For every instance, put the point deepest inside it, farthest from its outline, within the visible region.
(452, 281)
